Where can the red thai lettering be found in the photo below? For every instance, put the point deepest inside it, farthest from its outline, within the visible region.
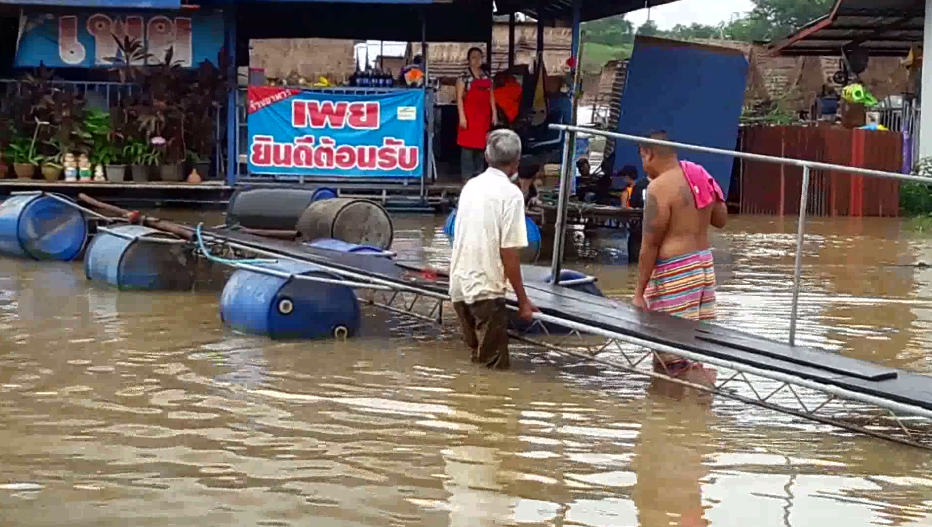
(326, 114)
(299, 114)
(388, 155)
(345, 158)
(367, 157)
(365, 115)
(70, 50)
(261, 151)
(324, 154)
(281, 155)
(304, 151)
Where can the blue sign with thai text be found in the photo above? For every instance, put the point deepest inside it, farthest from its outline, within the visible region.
(109, 4)
(85, 38)
(317, 133)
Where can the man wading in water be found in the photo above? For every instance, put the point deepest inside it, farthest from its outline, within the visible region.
(676, 273)
(487, 241)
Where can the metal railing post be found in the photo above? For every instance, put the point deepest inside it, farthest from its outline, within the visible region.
(798, 268)
(563, 201)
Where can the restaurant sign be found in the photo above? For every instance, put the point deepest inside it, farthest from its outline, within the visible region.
(85, 38)
(319, 133)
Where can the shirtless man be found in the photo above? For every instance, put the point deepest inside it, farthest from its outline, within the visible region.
(676, 273)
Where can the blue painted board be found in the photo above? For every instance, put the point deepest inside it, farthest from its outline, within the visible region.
(693, 92)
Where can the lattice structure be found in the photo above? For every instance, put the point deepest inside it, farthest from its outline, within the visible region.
(787, 394)
(782, 393)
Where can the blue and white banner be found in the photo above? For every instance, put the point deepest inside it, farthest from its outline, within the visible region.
(108, 4)
(85, 38)
(316, 133)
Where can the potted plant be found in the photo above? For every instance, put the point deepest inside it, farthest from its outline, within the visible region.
(105, 137)
(136, 153)
(172, 157)
(51, 164)
(22, 152)
(201, 164)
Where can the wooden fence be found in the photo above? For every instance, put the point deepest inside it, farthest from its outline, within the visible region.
(767, 188)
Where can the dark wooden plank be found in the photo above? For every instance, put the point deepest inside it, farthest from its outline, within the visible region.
(705, 331)
(853, 370)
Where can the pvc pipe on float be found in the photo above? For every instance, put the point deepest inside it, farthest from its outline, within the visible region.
(569, 149)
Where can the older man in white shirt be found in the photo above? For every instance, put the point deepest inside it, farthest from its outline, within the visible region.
(488, 238)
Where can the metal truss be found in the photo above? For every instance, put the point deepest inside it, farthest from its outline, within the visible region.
(428, 308)
(826, 404)
(787, 394)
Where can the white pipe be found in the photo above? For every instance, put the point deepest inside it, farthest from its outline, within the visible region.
(814, 165)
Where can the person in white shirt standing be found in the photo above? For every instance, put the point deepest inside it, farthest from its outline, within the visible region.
(488, 237)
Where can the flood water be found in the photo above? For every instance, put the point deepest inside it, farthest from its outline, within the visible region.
(140, 409)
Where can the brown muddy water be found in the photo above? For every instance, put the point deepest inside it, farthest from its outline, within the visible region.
(139, 409)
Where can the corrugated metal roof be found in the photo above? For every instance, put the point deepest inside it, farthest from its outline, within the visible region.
(562, 10)
(880, 27)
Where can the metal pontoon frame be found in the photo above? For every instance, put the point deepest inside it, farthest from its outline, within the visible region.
(796, 396)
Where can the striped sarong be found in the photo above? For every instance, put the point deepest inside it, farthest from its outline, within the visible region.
(683, 286)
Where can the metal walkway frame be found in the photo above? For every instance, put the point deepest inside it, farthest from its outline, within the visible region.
(796, 396)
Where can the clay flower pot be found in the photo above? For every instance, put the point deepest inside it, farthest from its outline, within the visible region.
(51, 172)
(24, 170)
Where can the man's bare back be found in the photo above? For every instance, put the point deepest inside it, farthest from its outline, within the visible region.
(687, 229)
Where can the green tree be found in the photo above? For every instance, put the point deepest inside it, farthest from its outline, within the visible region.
(649, 29)
(774, 19)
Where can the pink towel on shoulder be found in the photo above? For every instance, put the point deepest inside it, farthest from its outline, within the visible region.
(705, 188)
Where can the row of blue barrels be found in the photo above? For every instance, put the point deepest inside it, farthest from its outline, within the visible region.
(277, 303)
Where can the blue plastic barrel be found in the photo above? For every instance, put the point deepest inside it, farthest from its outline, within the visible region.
(41, 227)
(529, 255)
(333, 244)
(289, 308)
(323, 193)
(140, 258)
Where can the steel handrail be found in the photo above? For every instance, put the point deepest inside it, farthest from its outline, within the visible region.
(807, 167)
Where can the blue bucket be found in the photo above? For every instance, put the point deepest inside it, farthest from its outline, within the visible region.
(41, 227)
(323, 193)
(333, 244)
(530, 254)
(289, 308)
(140, 258)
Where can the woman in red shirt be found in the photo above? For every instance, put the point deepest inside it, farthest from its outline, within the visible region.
(477, 114)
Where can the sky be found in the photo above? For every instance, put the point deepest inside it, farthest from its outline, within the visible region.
(686, 12)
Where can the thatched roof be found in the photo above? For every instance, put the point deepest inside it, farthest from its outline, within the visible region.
(447, 60)
(308, 57)
(797, 80)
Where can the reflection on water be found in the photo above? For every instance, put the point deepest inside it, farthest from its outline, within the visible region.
(140, 409)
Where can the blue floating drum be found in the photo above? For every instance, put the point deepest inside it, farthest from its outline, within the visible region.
(141, 258)
(277, 302)
(39, 226)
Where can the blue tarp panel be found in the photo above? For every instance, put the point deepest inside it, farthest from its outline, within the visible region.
(109, 4)
(693, 92)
